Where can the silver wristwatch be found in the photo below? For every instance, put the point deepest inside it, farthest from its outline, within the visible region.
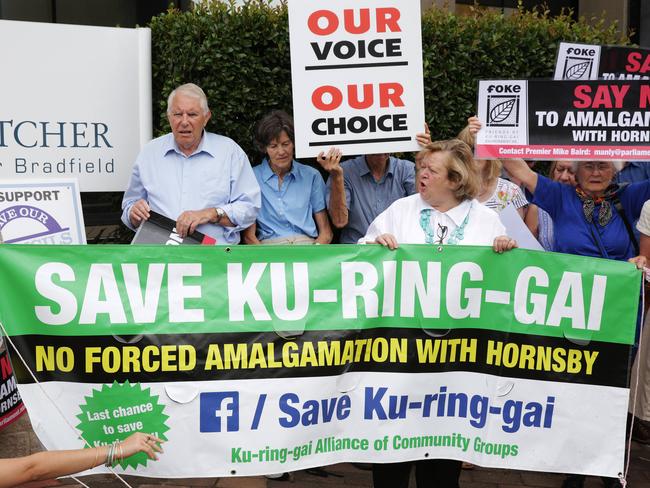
(220, 214)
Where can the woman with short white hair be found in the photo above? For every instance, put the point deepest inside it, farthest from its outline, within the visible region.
(593, 219)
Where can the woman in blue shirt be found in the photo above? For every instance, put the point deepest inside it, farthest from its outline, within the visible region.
(586, 221)
(293, 194)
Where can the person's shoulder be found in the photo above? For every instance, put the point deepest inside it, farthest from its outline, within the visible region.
(221, 140)
(353, 164)
(410, 201)
(402, 163)
(156, 148)
(306, 170)
(503, 183)
(165, 140)
(259, 168)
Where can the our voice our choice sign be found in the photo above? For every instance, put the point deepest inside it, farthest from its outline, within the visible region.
(79, 105)
(357, 78)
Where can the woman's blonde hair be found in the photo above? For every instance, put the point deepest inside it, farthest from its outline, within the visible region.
(460, 165)
(492, 169)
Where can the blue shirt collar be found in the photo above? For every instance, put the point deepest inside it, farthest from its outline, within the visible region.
(365, 169)
(267, 172)
(204, 146)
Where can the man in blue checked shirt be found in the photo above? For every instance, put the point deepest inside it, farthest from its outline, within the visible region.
(204, 181)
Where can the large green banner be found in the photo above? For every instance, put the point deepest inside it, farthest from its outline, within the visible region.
(495, 355)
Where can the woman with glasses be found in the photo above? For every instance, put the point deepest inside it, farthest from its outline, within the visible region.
(594, 218)
(443, 211)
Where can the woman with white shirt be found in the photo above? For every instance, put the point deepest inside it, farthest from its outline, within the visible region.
(443, 211)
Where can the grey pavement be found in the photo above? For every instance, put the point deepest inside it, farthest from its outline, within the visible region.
(18, 440)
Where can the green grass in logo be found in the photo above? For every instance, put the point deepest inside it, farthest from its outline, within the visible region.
(118, 410)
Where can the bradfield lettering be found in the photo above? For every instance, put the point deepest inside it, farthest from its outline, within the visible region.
(30, 133)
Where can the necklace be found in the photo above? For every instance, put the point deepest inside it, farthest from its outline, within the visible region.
(457, 235)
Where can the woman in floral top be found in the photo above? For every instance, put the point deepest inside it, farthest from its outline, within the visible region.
(496, 193)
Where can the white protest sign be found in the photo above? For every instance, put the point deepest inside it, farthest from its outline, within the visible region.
(357, 78)
(41, 212)
(77, 103)
(517, 229)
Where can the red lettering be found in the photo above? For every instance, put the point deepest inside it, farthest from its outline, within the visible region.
(329, 16)
(602, 97)
(364, 21)
(329, 97)
(634, 65)
(645, 96)
(581, 92)
(353, 96)
(334, 93)
(619, 94)
(391, 93)
(387, 19)
(5, 367)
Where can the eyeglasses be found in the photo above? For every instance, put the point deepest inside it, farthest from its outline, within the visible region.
(441, 233)
(600, 166)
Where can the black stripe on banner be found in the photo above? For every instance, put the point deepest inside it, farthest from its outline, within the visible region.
(319, 353)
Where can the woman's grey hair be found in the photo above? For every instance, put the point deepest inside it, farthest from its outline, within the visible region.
(616, 164)
(189, 90)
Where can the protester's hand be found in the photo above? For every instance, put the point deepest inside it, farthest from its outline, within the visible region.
(139, 212)
(189, 220)
(387, 240)
(640, 261)
(474, 125)
(140, 442)
(503, 243)
(331, 162)
(424, 138)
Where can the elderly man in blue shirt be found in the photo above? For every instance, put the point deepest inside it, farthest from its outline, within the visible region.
(202, 180)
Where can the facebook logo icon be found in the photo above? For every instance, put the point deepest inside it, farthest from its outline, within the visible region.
(219, 410)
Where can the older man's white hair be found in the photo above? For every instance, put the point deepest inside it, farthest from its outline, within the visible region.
(189, 90)
(617, 165)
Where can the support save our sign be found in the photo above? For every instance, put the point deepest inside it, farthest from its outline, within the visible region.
(357, 75)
